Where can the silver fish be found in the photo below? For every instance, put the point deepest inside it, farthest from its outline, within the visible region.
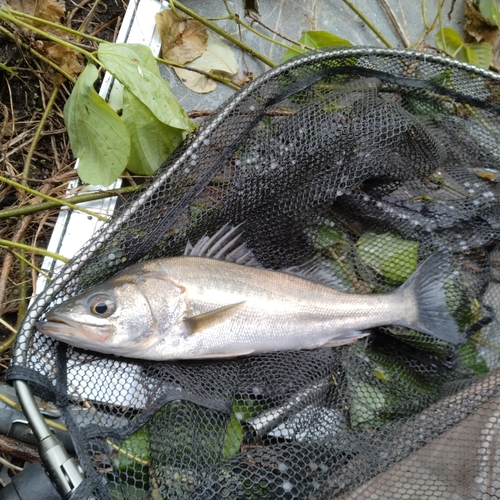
(194, 307)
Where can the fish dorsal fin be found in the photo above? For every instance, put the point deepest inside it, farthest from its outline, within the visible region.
(202, 321)
(318, 271)
(226, 244)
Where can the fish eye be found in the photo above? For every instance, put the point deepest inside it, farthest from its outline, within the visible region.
(100, 308)
(101, 305)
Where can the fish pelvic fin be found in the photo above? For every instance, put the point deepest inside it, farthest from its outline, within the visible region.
(426, 288)
(202, 321)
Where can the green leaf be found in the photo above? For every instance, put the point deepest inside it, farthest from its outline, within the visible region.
(366, 403)
(97, 134)
(479, 54)
(328, 235)
(392, 257)
(233, 437)
(316, 40)
(472, 359)
(134, 451)
(132, 462)
(489, 10)
(421, 341)
(151, 141)
(449, 41)
(135, 67)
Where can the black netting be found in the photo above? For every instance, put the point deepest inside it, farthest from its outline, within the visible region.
(368, 161)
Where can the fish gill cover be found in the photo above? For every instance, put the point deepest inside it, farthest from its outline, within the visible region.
(368, 161)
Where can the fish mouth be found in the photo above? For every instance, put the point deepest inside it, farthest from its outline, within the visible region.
(63, 328)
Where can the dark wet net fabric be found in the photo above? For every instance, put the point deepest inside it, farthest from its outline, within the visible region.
(368, 161)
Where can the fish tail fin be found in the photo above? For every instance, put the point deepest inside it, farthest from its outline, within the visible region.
(426, 287)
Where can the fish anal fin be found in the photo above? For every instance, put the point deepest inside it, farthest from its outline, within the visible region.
(234, 354)
(212, 318)
(345, 338)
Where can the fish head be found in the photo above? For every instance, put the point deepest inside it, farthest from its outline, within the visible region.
(119, 316)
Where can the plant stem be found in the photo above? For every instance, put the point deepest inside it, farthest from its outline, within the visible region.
(424, 14)
(440, 17)
(13, 19)
(23, 15)
(239, 21)
(48, 421)
(23, 305)
(10, 340)
(267, 27)
(9, 327)
(428, 28)
(368, 23)
(223, 33)
(39, 251)
(38, 133)
(37, 54)
(29, 209)
(50, 198)
(30, 264)
(220, 79)
(395, 23)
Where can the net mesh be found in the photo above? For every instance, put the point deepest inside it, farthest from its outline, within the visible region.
(369, 160)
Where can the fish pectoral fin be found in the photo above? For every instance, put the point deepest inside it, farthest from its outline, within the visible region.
(211, 318)
(346, 338)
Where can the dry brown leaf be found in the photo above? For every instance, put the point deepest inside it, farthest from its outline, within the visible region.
(26, 6)
(54, 11)
(495, 45)
(475, 26)
(183, 40)
(218, 59)
(50, 10)
(69, 60)
(196, 81)
(168, 27)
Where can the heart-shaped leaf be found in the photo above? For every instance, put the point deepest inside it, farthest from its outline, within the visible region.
(151, 140)
(479, 54)
(449, 41)
(97, 134)
(135, 67)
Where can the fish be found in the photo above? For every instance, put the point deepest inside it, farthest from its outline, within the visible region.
(217, 302)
